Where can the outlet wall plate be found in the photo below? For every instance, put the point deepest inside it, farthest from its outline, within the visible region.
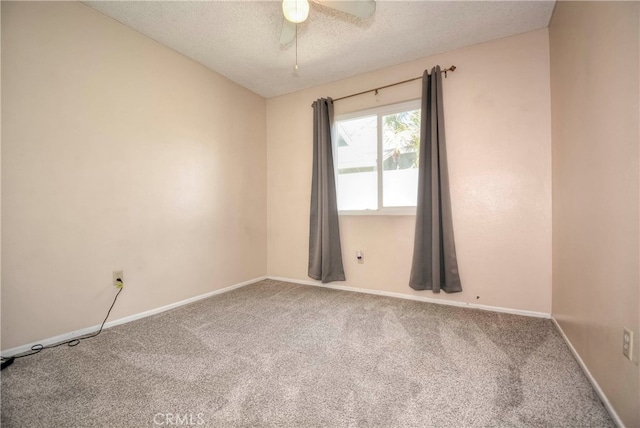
(118, 275)
(627, 343)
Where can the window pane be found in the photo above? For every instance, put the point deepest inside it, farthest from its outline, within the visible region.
(356, 163)
(400, 148)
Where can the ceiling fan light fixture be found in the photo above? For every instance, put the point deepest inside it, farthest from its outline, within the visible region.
(295, 11)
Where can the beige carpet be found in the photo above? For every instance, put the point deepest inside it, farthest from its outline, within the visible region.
(286, 355)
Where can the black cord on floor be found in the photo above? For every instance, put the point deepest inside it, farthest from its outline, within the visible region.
(7, 361)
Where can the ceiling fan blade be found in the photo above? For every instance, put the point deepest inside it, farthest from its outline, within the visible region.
(288, 33)
(358, 8)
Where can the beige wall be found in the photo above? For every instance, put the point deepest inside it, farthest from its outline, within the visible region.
(595, 114)
(499, 147)
(119, 153)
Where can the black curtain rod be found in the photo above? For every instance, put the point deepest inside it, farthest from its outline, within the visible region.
(451, 69)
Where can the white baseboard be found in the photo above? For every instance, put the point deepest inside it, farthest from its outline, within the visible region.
(586, 371)
(74, 334)
(418, 298)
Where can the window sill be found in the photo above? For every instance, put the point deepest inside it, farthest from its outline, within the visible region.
(383, 212)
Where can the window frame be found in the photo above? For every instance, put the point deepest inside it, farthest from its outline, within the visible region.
(379, 112)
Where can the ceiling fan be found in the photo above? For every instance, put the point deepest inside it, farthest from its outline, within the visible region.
(296, 11)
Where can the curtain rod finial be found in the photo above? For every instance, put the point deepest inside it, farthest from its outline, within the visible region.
(451, 69)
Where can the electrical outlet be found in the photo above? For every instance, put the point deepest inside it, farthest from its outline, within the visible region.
(627, 343)
(118, 278)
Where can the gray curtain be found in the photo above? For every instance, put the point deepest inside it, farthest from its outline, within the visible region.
(325, 253)
(434, 266)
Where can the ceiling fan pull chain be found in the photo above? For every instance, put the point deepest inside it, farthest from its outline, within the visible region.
(296, 67)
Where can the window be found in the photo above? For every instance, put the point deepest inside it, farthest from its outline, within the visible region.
(376, 160)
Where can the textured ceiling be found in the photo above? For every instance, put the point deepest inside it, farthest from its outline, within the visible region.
(240, 39)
